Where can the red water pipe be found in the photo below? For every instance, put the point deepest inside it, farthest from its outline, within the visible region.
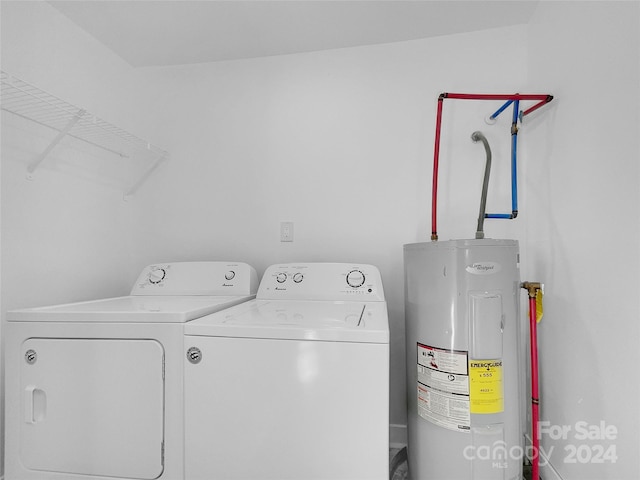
(532, 289)
(492, 96)
(536, 106)
(436, 156)
(542, 98)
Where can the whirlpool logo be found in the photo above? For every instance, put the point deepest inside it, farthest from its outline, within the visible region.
(484, 268)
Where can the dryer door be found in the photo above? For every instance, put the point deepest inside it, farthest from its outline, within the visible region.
(93, 407)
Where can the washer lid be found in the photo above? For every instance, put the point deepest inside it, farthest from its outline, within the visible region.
(298, 320)
(130, 309)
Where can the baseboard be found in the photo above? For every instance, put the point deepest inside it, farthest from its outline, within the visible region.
(397, 436)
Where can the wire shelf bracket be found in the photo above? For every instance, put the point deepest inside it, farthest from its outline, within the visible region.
(134, 188)
(24, 100)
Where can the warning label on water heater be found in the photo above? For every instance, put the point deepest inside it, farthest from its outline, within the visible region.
(443, 387)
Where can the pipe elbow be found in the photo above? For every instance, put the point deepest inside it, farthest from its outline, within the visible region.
(531, 288)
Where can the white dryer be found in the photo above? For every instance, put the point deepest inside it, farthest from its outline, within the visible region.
(94, 390)
(294, 384)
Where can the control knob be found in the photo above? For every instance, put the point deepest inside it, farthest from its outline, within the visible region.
(298, 277)
(157, 275)
(230, 275)
(281, 277)
(355, 278)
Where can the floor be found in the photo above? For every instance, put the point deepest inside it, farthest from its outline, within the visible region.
(399, 470)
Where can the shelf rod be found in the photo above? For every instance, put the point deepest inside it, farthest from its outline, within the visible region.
(34, 165)
(29, 102)
(89, 142)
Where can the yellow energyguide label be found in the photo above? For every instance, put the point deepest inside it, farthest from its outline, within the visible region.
(485, 386)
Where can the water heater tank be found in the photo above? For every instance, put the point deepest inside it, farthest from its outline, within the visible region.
(463, 386)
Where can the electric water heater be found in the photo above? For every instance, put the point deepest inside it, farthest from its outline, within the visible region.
(464, 403)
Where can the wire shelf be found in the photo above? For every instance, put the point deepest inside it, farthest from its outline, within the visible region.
(27, 101)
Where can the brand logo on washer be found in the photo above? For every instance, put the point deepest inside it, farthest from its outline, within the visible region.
(484, 268)
(194, 355)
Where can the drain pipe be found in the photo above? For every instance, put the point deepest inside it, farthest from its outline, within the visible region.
(533, 289)
(479, 137)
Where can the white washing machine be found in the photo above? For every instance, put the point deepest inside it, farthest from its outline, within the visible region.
(294, 384)
(94, 390)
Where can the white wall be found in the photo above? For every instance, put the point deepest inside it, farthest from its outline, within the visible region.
(340, 143)
(66, 235)
(582, 228)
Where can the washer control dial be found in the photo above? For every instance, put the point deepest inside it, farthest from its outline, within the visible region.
(281, 277)
(230, 275)
(157, 275)
(355, 278)
(298, 277)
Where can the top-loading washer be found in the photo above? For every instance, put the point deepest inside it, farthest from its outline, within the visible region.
(94, 390)
(294, 384)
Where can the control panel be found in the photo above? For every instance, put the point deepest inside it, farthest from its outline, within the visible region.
(197, 278)
(321, 281)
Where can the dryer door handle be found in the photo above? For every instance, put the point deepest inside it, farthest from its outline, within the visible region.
(35, 404)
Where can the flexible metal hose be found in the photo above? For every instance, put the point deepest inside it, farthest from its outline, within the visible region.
(476, 137)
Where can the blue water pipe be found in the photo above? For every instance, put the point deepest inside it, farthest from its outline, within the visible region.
(514, 166)
(541, 99)
(500, 110)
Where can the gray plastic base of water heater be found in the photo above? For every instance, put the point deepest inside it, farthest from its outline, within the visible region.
(462, 306)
